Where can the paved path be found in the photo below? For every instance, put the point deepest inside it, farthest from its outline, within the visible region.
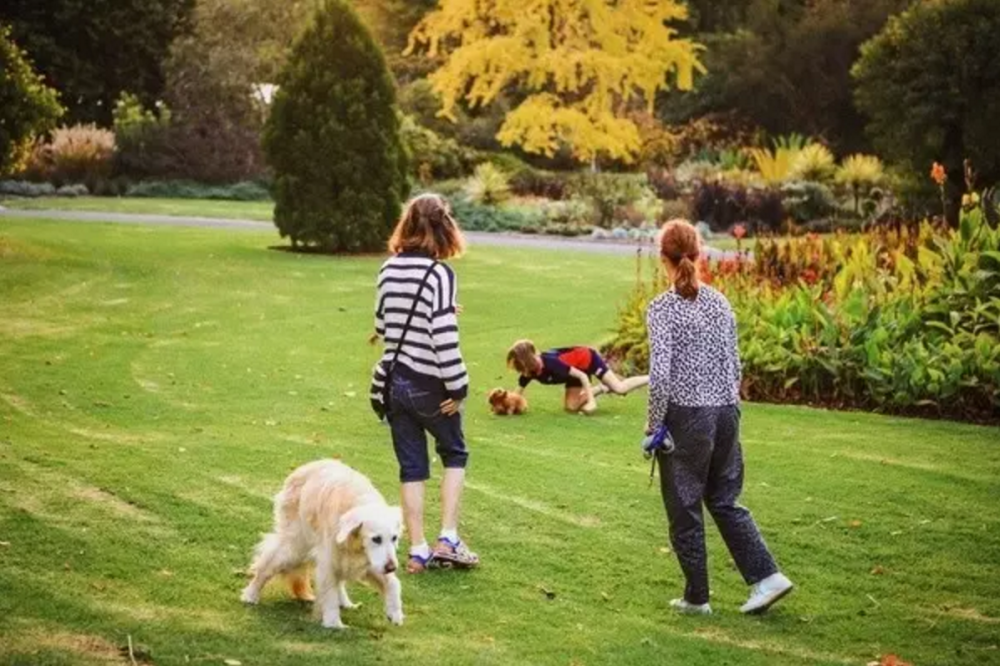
(473, 237)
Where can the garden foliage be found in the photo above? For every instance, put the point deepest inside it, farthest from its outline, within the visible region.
(28, 107)
(577, 74)
(79, 154)
(93, 50)
(930, 85)
(901, 320)
(333, 141)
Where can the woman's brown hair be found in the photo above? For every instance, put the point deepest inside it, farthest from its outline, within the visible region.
(680, 245)
(427, 226)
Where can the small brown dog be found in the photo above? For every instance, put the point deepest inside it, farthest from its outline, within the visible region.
(505, 403)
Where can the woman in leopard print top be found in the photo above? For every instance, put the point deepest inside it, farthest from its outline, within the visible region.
(694, 383)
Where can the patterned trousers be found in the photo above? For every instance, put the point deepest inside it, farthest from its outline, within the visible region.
(707, 466)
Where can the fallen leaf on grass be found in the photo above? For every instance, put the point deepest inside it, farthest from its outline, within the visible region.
(549, 594)
(854, 523)
(605, 596)
(350, 394)
(878, 570)
(232, 662)
(891, 660)
(665, 550)
(4, 544)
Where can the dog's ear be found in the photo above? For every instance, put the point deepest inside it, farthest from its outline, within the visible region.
(349, 523)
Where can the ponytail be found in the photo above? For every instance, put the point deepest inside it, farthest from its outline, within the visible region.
(680, 247)
(686, 283)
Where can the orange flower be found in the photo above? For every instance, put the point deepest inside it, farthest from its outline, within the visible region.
(739, 231)
(938, 174)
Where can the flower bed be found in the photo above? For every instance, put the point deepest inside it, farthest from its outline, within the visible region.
(901, 320)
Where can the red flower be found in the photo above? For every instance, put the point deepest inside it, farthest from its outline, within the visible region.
(739, 232)
(938, 174)
(809, 276)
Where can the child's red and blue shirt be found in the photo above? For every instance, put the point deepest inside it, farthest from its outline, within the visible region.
(556, 365)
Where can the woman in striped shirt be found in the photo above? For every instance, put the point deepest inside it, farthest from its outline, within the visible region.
(694, 382)
(428, 380)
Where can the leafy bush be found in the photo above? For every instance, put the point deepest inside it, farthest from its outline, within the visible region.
(488, 185)
(815, 162)
(81, 153)
(693, 172)
(860, 173)
(186, 189)
(774, 166)
(132, 119)
(807, 201)
(475, 217)
(544, 184)
(675, 209)
(570, 213)
(340, 169)
(28, 108)
(23, 188)
(143, 139)
(608, 192)
(901, 320)
(722, 206)
(433, 157)
(509, 163)
(72, 191)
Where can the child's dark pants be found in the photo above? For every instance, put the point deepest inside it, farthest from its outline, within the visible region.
(707, 466)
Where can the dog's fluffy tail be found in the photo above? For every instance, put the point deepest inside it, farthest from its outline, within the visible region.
(267, 547)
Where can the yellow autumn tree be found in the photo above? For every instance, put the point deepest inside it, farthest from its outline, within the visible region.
(582, 63)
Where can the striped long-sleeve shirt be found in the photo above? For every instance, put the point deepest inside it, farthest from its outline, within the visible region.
(430, 349)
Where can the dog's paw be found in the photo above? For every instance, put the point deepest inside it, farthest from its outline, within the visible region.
(249, 596)
(396, 617)
(334, 623)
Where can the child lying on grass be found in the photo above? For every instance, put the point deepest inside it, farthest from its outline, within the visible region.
(572, 367)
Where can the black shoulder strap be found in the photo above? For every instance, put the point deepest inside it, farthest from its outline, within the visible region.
(409, 318)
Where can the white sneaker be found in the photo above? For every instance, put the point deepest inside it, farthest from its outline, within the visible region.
(766, 593)
(682, 606)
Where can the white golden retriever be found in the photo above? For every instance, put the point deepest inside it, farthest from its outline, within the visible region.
(330, 515)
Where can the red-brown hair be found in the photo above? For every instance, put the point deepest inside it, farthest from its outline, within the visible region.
(427, 226)
(680, 246)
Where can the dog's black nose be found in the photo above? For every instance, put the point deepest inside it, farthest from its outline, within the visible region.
(390, 567)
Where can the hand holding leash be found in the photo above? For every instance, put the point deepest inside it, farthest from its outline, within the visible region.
(659, 441)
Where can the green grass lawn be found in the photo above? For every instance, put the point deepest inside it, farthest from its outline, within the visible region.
(241, 210)
(156, 385)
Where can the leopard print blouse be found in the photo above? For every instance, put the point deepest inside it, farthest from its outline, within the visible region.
(694, 357)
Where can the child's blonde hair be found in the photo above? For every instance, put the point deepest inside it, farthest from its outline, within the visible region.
(521, 356)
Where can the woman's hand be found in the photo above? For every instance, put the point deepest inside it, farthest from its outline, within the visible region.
(459, 308)
(451, 407)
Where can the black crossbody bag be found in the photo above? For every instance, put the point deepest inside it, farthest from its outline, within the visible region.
(382, 374)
